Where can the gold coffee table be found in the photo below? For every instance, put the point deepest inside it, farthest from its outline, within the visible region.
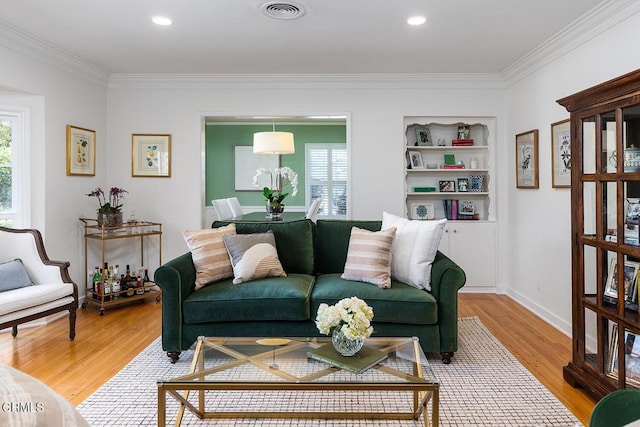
(281, 365)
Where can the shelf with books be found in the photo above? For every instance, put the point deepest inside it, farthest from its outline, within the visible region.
(431, 188)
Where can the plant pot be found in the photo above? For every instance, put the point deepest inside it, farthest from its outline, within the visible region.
(275, 211)
(344, 345)
(110, 219)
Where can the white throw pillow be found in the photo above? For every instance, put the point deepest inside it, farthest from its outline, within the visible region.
(414, 248)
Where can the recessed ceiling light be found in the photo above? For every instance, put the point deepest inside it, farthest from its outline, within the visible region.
(416, 20)
(161, 20)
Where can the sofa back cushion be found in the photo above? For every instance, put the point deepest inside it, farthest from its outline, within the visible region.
(332, 242)
(294, 241)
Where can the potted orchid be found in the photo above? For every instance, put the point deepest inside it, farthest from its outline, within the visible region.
(348, 322)
(110, 206)
(275, 194)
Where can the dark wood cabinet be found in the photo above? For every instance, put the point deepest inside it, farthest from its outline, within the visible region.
(605, 200)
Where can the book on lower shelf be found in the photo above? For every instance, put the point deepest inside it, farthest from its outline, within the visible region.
(358, 363)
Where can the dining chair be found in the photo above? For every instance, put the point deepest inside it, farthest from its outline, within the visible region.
(234, 205)
(312, 213)
(223, 211)
(616, 409)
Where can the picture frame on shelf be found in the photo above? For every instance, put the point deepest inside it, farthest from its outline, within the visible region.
(561, 154)
(466, 207)
(476, 183)
(422, 211)
(423, 137)
(151, 155)
(527, 160)
(631, 357)
(463, 185)
(633, 212)
(630, 280)
(415, 159)
(447, 186)
(464, 132)
(81, 151)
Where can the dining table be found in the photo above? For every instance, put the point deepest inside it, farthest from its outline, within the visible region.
(264, 217)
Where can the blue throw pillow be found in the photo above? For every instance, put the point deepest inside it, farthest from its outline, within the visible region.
(13, 276)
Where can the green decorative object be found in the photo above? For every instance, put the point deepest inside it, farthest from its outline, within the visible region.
(449, 159)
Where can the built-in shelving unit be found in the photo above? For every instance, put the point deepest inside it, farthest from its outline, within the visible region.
(469, 239)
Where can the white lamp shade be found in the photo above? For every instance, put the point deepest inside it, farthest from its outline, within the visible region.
(273, 143)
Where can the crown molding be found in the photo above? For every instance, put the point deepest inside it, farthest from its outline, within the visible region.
(27, 45)
(601, 18)
(303, 81)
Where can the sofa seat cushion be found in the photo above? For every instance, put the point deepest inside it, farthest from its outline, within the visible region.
(271, 298)
(399, 304)
(33, 296)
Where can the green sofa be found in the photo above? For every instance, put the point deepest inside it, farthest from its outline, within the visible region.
(313, 255)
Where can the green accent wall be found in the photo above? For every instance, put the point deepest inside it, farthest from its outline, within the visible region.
(221, 138)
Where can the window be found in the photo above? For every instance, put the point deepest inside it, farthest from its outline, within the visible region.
(326, 178)
(14, 191)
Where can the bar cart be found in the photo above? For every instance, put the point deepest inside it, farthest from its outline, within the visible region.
(140, 230)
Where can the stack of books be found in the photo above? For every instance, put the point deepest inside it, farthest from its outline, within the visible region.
(366, 358)
(462, 142)
(455, 166)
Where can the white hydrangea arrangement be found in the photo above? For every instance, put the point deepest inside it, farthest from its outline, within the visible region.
(352, 315)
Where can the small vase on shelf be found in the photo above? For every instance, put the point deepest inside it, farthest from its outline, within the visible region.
(344, 345)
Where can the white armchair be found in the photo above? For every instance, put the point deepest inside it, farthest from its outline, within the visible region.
(52, 291)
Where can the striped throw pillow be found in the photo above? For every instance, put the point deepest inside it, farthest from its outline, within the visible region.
(369, 257)
(253, 256)
(209, 254)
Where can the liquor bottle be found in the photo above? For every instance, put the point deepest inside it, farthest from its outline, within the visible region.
(97, 278)
(115, 287)
(139, 287)
(106, 285)
(116, 270)
(127, 283)
(146, 281)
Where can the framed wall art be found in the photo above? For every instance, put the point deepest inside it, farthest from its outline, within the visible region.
(151, 155)
(561, 154)
(527, 159)
(81, 151)
(246, 164)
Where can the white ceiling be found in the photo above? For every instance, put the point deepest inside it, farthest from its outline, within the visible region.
(334, 36)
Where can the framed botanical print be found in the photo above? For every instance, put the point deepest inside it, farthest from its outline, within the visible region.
(527, 159)
(151, 155)
(81, 151)
(561, 154)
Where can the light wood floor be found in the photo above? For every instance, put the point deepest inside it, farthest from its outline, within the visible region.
(104, 344)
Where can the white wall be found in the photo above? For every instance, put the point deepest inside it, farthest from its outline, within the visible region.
(59, 90)
(376, 109)
(538, 222)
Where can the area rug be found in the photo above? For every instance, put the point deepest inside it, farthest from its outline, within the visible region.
(484, 385)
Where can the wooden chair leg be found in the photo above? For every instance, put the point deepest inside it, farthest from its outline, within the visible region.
(14, 331)
(72, 324)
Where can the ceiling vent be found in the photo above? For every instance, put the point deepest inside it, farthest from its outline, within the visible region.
(283, 11)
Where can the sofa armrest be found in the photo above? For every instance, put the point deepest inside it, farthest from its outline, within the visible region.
(177, 279)
(446, 279)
